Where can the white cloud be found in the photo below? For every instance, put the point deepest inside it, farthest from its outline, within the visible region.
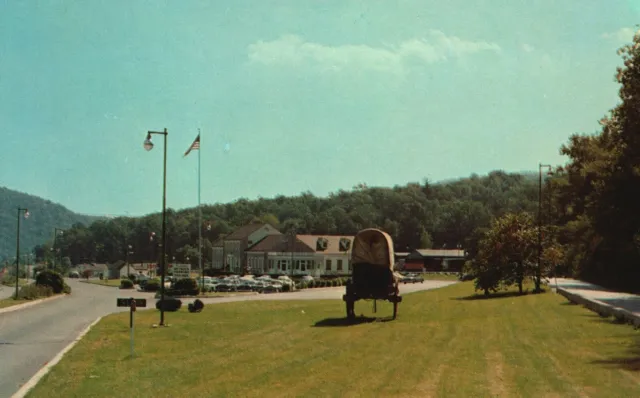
(527, 48)
(292, 50)
(622, 34)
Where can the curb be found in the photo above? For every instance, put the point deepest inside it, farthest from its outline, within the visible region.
(26, 387)
(31, 304)
(605, 310)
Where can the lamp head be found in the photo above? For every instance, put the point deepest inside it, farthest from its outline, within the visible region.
(26, 213)
(148, 144)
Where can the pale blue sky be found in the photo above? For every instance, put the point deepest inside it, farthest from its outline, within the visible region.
(305, 95)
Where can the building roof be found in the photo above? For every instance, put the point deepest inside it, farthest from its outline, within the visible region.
(246, 230)
(116, 266)
(280, 243)
(333, 242)
(218, 243)
(91, 266)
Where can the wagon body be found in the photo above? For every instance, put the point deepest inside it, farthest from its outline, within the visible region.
(372, 260)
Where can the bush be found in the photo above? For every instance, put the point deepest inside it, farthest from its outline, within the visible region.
(169, 304)
(126, 284)
(33, 291)
(196, 306)
(153, 285)
(186, 287)
(9, 280)
(52, 279)
(286, 288)
(66, 289)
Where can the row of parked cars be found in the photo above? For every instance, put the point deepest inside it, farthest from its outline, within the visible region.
(234, 283)
(412, 278)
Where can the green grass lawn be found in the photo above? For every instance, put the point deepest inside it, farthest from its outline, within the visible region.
(103, 282)
(440, 345)
(12, 282)
(9, 302)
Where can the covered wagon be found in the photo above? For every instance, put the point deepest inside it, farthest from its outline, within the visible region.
(372, 260)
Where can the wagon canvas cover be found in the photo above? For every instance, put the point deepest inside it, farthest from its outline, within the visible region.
(373, 246)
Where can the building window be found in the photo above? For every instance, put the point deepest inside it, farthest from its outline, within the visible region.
(339, 265)
(297, 264)
(328, 265)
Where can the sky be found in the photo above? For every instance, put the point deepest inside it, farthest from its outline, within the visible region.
(293, 96)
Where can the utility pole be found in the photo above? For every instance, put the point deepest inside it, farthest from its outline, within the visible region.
(538, 268)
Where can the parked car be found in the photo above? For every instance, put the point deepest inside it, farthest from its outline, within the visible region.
(274, 288)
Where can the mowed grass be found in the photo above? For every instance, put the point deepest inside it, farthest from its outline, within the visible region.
(9, 302)
(440, 346)
(12, 282)
(104, 282)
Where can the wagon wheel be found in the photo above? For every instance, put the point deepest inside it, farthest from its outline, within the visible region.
(395, 302)
(351, 314)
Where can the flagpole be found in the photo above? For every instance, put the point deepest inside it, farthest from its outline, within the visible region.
(200, 216)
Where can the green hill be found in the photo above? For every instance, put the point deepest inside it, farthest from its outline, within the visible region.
(38, 228)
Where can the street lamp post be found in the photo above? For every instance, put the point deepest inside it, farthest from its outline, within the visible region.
(55, 236)
(148, 145)
(26, 215)
(538, 268)
(128, 251)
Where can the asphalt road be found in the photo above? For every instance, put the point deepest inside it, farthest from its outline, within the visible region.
(31, 337)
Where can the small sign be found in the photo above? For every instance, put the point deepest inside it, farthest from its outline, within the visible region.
(126, 302)
(181, 271)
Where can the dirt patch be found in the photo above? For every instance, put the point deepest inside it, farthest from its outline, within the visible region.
(495, 374)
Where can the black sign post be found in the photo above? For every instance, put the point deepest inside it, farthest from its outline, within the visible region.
(132, 304)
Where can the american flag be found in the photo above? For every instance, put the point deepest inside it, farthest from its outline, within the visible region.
(195, 145)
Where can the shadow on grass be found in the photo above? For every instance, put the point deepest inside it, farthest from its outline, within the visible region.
(498, 295)
(337, 322)
(630, 362)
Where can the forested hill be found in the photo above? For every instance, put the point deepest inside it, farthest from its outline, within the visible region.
(417, 215)
(44, 217)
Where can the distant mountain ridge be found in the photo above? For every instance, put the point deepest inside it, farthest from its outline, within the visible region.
(38, 228)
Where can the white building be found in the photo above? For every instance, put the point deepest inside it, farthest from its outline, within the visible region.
(230, 252)
(314, 255)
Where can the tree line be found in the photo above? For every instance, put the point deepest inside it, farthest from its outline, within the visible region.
(417, 215)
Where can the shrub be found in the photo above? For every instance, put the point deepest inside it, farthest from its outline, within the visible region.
(33, 291)
(311, 284)
(169, 304)
(152, 285)
(186, 287)
(8, 280)
(66, 289)
(52, 279)
(196, 306)
(126, 284)
(286, 288)
(133, 278)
